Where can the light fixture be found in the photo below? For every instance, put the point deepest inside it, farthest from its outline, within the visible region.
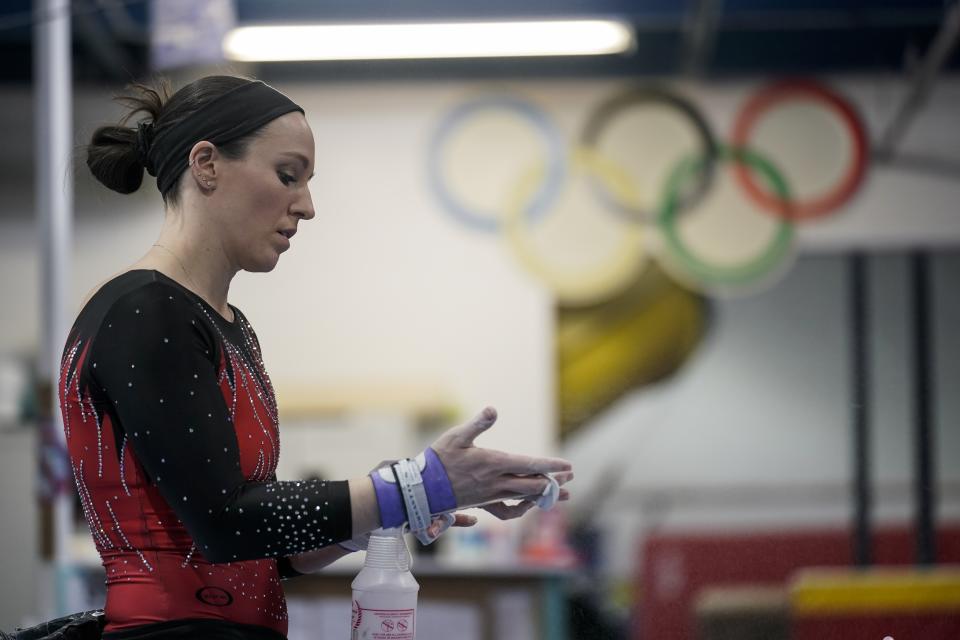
(428, 40)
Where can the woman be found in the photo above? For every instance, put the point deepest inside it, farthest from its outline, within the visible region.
(170, 416)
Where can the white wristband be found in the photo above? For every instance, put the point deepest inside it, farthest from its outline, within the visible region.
(414, 498)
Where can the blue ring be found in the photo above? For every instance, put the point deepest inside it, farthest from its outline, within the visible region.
(545, 196)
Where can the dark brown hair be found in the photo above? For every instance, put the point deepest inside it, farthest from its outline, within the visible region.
(112, 154)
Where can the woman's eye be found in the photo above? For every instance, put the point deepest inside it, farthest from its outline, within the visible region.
(286, 178)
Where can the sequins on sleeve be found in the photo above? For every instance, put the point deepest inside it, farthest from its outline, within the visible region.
(161, 366)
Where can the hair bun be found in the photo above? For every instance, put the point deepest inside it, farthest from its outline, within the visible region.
(113, 158)
(118, 154)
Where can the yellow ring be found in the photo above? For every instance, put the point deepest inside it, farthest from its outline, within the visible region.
(591, 285)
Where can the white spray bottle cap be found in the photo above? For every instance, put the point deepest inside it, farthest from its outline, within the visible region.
(387, 550)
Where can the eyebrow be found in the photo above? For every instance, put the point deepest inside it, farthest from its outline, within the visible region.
(299, 156)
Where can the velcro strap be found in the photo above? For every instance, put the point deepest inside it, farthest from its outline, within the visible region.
(414, 498)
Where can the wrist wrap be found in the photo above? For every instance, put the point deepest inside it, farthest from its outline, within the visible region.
(389, 501)
(413, 490)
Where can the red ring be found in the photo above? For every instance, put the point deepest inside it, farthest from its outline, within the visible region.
(815, 207)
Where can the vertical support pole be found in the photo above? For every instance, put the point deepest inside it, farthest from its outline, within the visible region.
(924, 475)
(53, 106)
(944, 42)
(860, 418)
(700, 34)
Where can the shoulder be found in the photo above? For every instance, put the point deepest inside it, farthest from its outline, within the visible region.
(140, 301)
(132, 287)
(98, 287)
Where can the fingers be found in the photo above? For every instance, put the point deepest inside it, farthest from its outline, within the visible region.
(465, 434)
(532, 486)
(440, 524)
(528, 465)
(443, 522)
(464, 520)
(481, 476)
(522, 486)
(505, 511)
(471, 430)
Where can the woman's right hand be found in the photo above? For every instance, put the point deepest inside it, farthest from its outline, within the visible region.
(487, 477)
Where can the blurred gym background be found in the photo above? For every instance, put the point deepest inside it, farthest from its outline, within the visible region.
(707, 249)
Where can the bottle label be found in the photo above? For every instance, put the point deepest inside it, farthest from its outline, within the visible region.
(382, 624)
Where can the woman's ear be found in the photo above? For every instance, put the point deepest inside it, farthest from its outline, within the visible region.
(203, 165)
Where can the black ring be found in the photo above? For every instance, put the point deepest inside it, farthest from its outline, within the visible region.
(610, 108)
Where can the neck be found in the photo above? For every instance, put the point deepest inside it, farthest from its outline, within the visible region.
(192, 256)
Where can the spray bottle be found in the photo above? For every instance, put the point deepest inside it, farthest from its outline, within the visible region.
(385, 592)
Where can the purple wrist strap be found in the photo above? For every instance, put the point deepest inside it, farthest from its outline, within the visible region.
(437, 485)
(390, 502)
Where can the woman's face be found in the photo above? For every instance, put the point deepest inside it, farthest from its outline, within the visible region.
(265, 193)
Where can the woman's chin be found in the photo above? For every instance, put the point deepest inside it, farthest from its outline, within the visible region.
(262, 264)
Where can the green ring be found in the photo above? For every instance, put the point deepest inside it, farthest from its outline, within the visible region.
(724, 275)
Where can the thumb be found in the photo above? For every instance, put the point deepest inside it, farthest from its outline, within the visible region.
(467, 433)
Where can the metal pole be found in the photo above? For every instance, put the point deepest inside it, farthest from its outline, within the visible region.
(860, 387)
(701, 29)
(923, 402)
(938, 53)
(54, 200)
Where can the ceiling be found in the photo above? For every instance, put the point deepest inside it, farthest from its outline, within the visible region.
(705, 38)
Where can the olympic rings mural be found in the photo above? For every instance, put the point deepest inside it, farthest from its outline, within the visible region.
(656, 226)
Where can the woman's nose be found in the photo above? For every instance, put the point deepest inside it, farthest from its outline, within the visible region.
(303, 207)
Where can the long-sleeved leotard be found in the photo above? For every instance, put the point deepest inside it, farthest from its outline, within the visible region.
(172, 432)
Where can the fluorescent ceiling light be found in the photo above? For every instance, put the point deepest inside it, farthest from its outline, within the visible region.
(432, 40)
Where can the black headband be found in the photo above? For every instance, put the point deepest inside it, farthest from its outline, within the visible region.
(227, 117)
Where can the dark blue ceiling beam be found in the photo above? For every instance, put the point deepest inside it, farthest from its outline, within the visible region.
(665, 11)
(736, 37)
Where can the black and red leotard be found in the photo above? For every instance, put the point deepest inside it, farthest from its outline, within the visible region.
(172, 432)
